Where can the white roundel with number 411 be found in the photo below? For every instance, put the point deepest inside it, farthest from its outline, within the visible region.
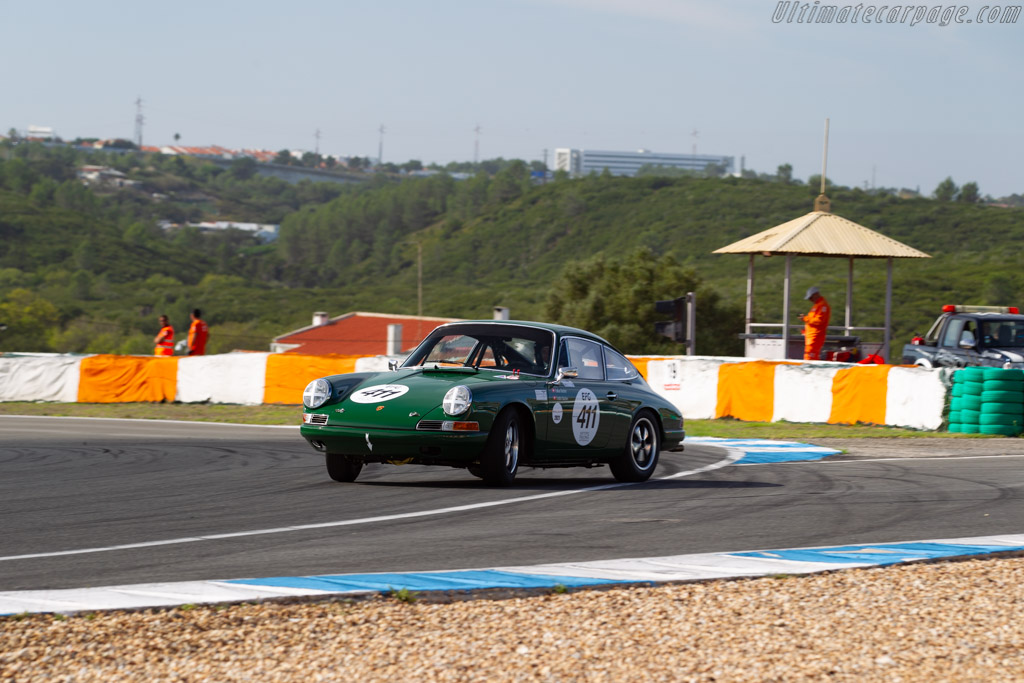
(586, 417)
(379, 393)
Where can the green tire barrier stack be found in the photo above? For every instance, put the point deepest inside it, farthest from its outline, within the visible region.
(987, 401)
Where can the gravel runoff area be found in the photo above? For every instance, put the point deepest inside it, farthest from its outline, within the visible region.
(948, 621)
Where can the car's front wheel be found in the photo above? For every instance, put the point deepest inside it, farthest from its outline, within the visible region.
(500, 460)
(342, 467)
(640, 455)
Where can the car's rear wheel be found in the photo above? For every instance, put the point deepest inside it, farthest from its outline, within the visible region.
(500, 460)
(640, 455)
(343, 467)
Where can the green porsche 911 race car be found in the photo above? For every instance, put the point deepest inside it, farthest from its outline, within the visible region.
(492, 396)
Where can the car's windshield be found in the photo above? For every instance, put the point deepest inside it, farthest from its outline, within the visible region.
(1002, 333)
(488, 347)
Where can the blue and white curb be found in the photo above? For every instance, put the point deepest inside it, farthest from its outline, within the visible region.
(763, 451)
(650, 570)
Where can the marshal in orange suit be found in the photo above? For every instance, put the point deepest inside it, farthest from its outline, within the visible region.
(198, 333)
(815, 324)
(164, 339)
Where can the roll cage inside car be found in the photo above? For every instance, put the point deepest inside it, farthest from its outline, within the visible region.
(490, 347)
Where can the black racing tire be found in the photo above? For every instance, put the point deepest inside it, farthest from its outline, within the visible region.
(476, 471)
(639, 456)
(343, 468)
(506, 443)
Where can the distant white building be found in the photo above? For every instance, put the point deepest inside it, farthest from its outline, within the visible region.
(581, 162)
(41, 133)
(266, 232)
(103, 175)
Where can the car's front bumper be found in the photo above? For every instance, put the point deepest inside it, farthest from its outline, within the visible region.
(397, 445)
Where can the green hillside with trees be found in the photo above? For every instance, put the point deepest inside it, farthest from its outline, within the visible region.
(88, 269)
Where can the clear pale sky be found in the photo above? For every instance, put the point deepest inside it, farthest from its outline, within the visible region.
(909, 105)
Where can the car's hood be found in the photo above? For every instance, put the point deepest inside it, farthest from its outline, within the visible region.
(400, 399)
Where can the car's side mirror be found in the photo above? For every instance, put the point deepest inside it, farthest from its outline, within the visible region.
(392, 365)
(966, 344)
(565, 373)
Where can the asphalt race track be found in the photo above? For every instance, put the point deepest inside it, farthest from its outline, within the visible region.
(103, 502)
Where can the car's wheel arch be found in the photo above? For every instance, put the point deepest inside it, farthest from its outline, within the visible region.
(655, 414)
(527, 420)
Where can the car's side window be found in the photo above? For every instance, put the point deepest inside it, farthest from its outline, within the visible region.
(953, 330)
(583, 355)
(617, 367)
(968, 336)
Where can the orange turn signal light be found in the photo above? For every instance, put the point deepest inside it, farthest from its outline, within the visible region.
(453, 426)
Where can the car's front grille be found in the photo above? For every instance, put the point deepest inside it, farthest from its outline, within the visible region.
(430, 425)
(318, 418)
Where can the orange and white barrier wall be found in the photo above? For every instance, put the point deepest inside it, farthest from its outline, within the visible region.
(771, 391)
(242, 378)
(702, 387)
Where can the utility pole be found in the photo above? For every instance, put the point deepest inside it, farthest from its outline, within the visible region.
(380, 146)
(317, 148)
(139, 120)
(545, 155)
(476, 145)
(694, 142)
(419, 286)
(419, 279)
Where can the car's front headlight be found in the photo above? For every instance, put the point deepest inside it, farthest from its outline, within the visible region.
(457, 400)
(316, 393)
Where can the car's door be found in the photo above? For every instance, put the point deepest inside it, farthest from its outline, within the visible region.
(953, 350)
(579, 415)
(622, 380)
